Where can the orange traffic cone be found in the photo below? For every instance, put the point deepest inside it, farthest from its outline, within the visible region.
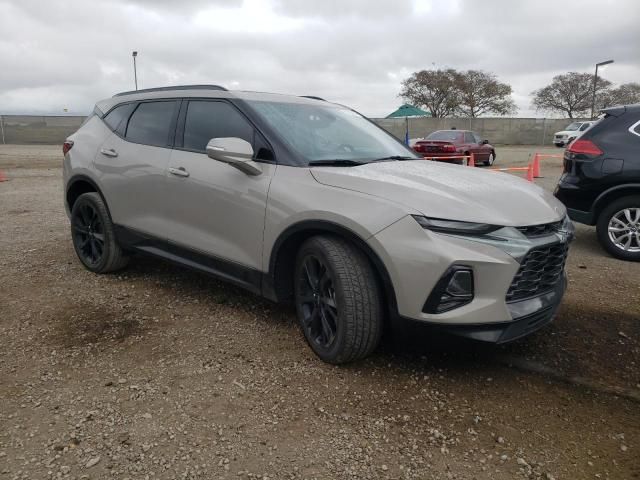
(3, 177)
(472, 161)
(536, 166)
(530, 172)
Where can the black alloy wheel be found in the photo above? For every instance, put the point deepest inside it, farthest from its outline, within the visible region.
(88, 234)
(317, 302)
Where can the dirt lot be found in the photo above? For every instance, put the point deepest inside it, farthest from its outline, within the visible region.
(159, 372)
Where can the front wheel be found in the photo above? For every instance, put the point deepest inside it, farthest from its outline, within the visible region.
(619, 228)
(489, 161)
(338, 300)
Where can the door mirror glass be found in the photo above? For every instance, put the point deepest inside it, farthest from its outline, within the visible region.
(234, 151)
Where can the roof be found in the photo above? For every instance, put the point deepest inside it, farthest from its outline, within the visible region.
(202, 91)
(407, 110)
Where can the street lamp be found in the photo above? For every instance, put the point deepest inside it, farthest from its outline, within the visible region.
(595, 83)
(135, 72)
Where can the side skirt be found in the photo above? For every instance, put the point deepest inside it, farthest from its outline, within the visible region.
(240, 275)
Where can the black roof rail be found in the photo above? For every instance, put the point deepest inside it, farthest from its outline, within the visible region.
(313, 97)
(168, 89)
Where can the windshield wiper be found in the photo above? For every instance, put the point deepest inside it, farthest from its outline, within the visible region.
(395, 157)
(340, 162)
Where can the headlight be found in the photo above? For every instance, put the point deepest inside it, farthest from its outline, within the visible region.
(454, 226)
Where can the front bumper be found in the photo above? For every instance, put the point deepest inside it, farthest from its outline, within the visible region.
(416, 259)
(542, 309)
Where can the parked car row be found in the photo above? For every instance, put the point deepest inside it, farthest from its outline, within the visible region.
(307, 202)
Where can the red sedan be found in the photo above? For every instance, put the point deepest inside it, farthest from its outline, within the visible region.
(452, 143)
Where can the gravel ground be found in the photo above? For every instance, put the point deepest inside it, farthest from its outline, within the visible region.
(159, 372)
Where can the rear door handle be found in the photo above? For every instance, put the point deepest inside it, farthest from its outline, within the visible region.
(180, 172)
(109, 153)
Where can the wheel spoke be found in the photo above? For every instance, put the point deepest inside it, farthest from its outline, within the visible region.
(627, 215)
(617, 229)
(311, 273)
(327, 331)
(99, 237)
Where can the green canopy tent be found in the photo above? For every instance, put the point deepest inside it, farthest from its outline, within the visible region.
(407, 111)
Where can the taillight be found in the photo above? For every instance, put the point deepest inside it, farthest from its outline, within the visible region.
(449, 148)
(585, 147)
(66, 146)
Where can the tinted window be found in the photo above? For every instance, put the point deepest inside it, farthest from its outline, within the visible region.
(114, 117)
(468, 138)
(446, 136)
(207, 120)
(151, 122)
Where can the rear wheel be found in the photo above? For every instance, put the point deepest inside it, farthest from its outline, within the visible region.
(338, 301)
(93, 236)
(619, 228)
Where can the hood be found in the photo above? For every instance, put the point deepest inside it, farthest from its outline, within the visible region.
(451, 192)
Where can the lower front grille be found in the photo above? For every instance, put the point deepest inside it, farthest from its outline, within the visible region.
(540, 271)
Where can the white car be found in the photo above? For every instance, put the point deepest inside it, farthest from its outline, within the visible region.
(569, 134)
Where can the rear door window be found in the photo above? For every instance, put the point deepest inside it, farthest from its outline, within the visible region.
(152, 123)
(209, 119)
(115, 117)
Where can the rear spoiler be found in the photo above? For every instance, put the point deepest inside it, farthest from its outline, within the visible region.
(614, 111)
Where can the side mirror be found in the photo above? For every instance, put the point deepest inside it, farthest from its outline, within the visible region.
(485, 142)
(234, 151)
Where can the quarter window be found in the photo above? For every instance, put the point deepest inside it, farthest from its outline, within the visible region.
(151, 123)
(207, 120)
(115, 117)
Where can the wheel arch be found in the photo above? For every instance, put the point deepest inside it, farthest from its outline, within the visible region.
(285, 248)
(613, 194)
(79, 184)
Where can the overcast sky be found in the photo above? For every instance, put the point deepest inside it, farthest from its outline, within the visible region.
(57, 54)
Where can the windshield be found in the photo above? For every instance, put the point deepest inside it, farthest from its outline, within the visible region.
(573, 126)
(326, 131)
(446, 135)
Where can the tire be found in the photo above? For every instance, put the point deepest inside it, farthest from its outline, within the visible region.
(93, 235)
(559, 145)
(490, 161)
(627, 228)
(338, 300)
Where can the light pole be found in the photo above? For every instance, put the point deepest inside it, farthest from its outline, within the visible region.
(135, 72)
(595, 83)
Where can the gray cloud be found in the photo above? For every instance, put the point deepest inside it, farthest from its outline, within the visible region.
(68, 54)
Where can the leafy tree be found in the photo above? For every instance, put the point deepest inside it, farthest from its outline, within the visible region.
(625, 94)
(570, 94)
(434, 90)
(479, 93)
(448, 92)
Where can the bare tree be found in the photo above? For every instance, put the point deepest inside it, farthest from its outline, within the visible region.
(569, 94)
(433, 90)
(479, 93)
(625, 94)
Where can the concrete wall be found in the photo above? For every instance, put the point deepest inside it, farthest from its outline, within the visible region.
(509, 131)
(29, 129)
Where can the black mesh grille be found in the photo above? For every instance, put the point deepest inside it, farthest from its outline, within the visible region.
(539, 272)
(540, 230)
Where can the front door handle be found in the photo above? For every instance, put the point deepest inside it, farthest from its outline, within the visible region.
(109, 152)
(180, 172)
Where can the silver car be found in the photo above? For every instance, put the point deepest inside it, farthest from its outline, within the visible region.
(305, 201)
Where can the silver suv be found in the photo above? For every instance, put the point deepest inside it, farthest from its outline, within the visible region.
(305, 201)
